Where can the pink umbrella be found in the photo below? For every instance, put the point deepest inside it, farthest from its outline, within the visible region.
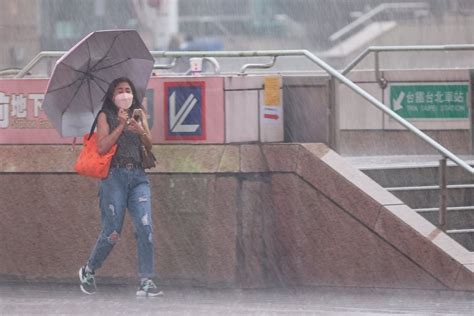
(81, 77)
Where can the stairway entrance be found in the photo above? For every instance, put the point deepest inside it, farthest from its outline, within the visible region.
(415, 181)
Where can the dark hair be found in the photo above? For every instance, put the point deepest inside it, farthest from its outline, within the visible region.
(109, 95)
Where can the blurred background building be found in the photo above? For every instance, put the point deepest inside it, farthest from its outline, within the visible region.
(18, 35)
(336, 30)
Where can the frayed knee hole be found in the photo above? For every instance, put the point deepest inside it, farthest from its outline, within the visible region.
(114, 237)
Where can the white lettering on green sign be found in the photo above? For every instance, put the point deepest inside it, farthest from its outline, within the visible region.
(430, 100)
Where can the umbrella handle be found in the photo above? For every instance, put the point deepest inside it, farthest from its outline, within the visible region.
(73, 144)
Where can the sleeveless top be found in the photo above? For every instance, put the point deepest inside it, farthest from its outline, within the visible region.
(128, 144)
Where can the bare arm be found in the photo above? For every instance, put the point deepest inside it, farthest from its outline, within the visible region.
(141, 128)
(106, 137)
(146, 136)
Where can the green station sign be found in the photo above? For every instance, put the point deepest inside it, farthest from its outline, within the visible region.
(430, 101)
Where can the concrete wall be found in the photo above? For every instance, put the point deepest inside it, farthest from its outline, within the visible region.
(307, 108)
(192, 109)
(244, 216)
(366, 130)
(354, 127)
(436, 30)
(267, 109)
(253, 109)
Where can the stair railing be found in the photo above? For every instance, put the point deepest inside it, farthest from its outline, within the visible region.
(376, 50)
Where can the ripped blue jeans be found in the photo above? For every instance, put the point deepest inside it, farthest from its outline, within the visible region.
(125, 189)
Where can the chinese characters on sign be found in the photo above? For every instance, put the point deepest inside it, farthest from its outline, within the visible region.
(22, 111)
(430, 101)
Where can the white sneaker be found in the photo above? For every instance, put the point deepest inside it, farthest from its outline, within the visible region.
(148, 288)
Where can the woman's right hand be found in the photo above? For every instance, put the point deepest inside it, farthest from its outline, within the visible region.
(122, 117)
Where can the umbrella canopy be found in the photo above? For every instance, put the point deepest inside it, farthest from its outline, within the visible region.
(81, 77)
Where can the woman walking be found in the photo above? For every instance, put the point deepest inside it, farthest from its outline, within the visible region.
(122, 121)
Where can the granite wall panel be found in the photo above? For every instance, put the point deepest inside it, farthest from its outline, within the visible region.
(241, 215)
(325, 245)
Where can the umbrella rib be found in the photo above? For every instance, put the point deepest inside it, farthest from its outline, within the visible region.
(90, 95)
(72, 83)
(84, 73)
(93, 76)
(66, 86)
(113, 65)
(106, 53)
(71, 67)
(97, 84)
(75, 93)
(90, 58)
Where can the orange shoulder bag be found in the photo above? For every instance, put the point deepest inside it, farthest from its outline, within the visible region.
(90, 163)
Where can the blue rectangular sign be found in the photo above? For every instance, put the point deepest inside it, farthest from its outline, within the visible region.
(185, 111)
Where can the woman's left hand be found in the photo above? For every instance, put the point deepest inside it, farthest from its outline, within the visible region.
(136, 127)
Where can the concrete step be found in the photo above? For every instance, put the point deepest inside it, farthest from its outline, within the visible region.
(465, 238)
(459, 223)
(417, 176)
(458, 218)
(426, 197)
(401, 162)
(415, 181)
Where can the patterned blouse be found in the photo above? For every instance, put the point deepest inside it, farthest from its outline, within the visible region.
(128, 144)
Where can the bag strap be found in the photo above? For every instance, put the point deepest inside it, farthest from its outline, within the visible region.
(94, 125)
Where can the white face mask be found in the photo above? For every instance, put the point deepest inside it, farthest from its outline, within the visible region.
(123, 100)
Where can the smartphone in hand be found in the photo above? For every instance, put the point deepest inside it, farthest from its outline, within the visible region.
(137, 115)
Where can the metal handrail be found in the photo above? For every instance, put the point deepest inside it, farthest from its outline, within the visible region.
(333, 72)
(259, 66)
(443, 205)
(166, 66)
(442, 150)
(415, 48)
(445, 153)
(37, 59)
(375, 11)
(174, 54)
(211, 60)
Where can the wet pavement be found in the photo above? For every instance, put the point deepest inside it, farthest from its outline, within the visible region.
(54, 299)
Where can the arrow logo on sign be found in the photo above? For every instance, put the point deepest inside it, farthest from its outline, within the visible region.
(177, 119)
(397, 103)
